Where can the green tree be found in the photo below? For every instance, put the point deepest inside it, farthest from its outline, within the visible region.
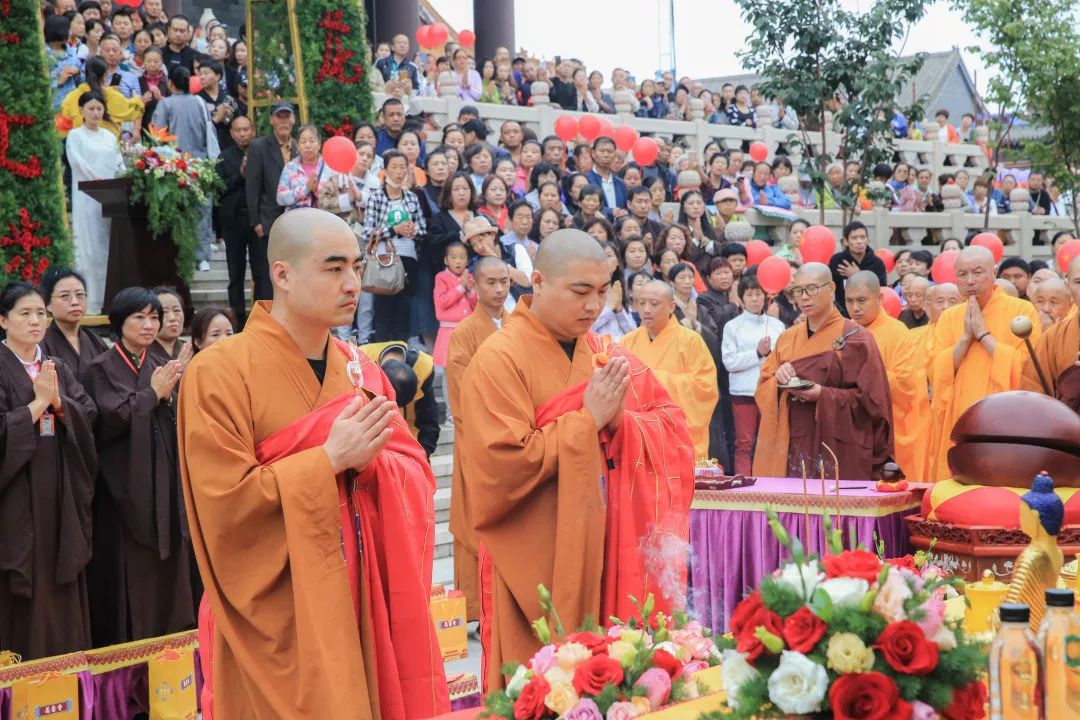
(33, 231)
(808, 50)
(1034, 53)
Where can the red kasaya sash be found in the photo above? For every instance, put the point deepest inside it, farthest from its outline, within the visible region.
(387, 535)
(649, 477)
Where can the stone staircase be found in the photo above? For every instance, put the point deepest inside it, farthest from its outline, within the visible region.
(210, 289)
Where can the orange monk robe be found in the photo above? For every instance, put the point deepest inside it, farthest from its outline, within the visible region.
(1058, 352)
(268, 539)
(536, 490)
(907, 387)
(979, 375)
(681, 361)
(464, 342)
(853, 415)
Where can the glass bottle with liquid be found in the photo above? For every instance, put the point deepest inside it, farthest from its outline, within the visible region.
(1059, 643)
(1016, 691)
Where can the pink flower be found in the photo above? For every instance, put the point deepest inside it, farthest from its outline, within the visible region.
(922, 711)
(933, 617)
(585, 710)
(622, 711)
(657, 684)
(543, 660)
(695, 666)
(692, 639)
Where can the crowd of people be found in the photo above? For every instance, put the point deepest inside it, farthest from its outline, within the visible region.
(458, 231)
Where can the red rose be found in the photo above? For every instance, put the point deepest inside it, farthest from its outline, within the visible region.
(748, 616)
(867, 696)
(906, 649)
(668, 663)
(853, 563)
(181, 181)
(597, 644)
(140, 165)
(530, 703)
(803, 629)
(904, 563)
(593, 675)
(968, 702)
(181, 164)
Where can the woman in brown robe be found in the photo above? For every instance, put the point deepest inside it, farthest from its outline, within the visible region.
(47, 468)
(139, 577)
(168, 345)
(65, 297)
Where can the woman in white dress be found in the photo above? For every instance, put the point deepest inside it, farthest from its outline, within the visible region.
(94, 154)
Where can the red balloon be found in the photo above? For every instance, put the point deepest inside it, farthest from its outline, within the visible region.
(439, 33)
(566, 127)
(887, 257)
(991, 242)
(339, 154)
(625, 137)
(890, 301)
(194, 85)
(944, 268)
(1066, 253)
(606, 129)
(756, 252)
(466, 38)
(759, 151)
(423, 36)
(818, 244)
(773, 274)
(645, 151)
(589, 127)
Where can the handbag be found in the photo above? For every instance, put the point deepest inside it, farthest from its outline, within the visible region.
(384, 274)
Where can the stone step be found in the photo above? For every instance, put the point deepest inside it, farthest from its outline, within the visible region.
(442, 571)
(446, 441)
(443, 467)
(442, 505)
(444, 540)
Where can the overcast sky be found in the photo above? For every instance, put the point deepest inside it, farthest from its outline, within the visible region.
(708, 33)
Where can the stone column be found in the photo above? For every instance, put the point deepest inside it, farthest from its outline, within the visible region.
(391, 17)
(494, 26)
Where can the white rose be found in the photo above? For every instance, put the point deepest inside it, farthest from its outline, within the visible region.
(798, 685)
(518, 682)
(735, 672)
(559, 676)
(944, 638)
(806, 575)
(570, 655)
(846, 590)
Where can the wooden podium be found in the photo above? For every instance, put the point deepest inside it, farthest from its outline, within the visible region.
(136, 256)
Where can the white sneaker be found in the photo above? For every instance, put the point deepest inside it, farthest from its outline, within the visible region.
(204, 266)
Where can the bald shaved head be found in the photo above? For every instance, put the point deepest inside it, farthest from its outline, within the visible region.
(655, 304)
(814, 278)
(864, 279)
(975, 273)
(976, 254)
(1041, 275)
(1008, 287)
(563, 247)
(1051, 297)
(813, 272)
(570, 281)
(488, 264)
(940, 298)
(315, 268)
(862, 296)
(661, 287)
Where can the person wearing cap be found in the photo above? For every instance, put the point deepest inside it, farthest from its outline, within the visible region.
(481, 237)
(266, 158)
(412, 374)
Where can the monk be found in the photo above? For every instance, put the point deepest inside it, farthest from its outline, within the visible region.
(845, 403)
(578, 467)
(907, 377)
(310, 505)
(492, 279)
(1058, 351)
(1052, 299)
(679, 359)
(973, 352)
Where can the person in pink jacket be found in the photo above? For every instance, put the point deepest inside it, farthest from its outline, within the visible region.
(455, 297)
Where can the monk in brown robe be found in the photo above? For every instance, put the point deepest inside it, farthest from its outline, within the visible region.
(65, 296)
(140, 574)
(837, 392)
(1051, 298)
(492, 286)
(313, 530)
(1058, 351)
(47, 469)
(551, 502)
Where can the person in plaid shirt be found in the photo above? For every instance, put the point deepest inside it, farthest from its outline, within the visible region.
(392, 311)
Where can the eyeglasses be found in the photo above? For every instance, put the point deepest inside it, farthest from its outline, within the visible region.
(809, 291)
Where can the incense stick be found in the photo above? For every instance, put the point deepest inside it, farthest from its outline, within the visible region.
(806, 504)
(836, 473)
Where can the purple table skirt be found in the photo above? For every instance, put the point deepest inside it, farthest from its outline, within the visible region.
(115, 695)
(732, 551)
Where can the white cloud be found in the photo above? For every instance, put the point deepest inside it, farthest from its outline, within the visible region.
(708, 33)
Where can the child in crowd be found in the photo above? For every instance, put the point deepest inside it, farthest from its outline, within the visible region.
(455, 297)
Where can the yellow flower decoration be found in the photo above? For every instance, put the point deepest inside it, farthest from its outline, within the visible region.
(848, 654)
(561, 698)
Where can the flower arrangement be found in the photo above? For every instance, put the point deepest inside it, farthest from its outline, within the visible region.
(174, 186)
(850, 636)
(636, 667)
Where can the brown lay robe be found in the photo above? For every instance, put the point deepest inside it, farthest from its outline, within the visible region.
(139, 577)
(46, 490)
(55, 345)
(158, 351)
(464, 342)
(853, 415)
(1058, 352)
